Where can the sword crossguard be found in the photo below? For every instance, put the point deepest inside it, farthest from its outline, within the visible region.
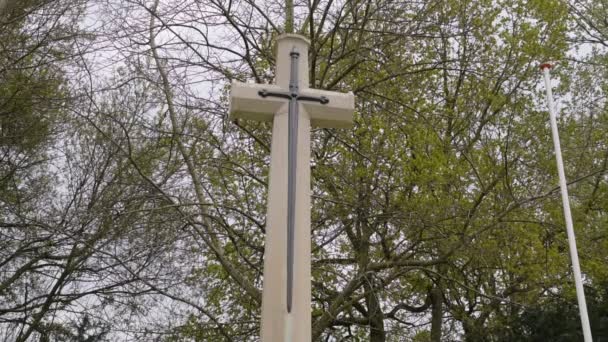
(321, 99)
(265, 93)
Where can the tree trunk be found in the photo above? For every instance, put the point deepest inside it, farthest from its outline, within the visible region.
(436, 314)
(288, 16)
(3, 6)
(375, 315)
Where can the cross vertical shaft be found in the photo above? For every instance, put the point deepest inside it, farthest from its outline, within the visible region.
(294, 96)
(293, 108)
(288, 205)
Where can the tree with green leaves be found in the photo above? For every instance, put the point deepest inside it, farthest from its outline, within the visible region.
(436, 218)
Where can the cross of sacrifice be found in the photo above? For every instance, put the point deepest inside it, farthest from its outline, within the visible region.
(293, 108)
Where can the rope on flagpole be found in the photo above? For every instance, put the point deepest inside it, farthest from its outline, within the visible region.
(578, 280)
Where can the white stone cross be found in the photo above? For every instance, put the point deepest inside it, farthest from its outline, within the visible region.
(293, 108)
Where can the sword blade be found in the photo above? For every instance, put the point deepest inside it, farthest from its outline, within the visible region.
(291, 199)
(292, 160)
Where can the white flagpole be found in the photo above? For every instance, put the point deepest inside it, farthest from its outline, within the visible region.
(578, 280)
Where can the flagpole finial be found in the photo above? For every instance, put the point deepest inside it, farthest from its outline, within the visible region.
(546, 66)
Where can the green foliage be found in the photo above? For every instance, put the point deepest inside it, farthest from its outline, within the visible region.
(445, 185)
(31, 94)
(26, 114)
(556, 318)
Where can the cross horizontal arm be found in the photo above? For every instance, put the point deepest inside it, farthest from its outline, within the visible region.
(246, 102)
(334, 112)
